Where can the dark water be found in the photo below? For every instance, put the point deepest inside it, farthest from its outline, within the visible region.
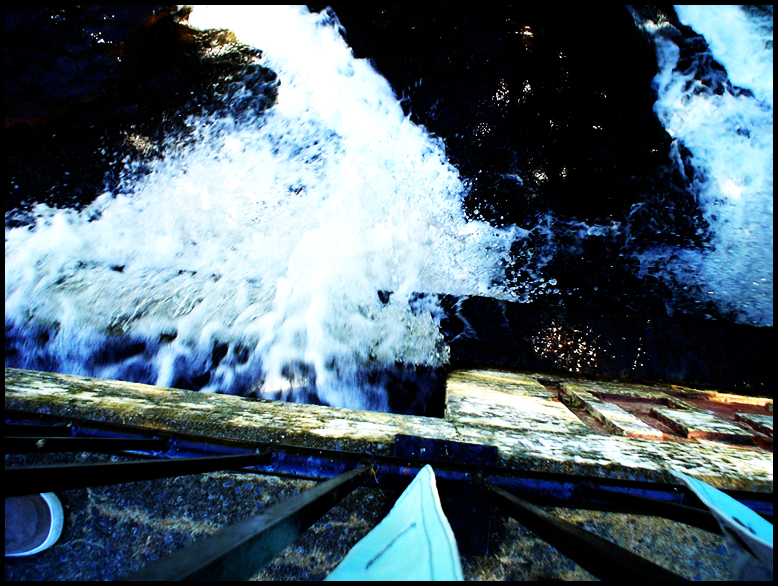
(586, 191)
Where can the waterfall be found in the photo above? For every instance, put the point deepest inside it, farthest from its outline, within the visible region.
(298, 253)
(723, 116)
(279, 254)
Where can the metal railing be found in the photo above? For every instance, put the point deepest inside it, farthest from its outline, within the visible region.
(464, 471)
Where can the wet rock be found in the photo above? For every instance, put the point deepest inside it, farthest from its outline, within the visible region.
(87, 87)
(553, 108)
(60, 56)
(548, 115)
(635, 346)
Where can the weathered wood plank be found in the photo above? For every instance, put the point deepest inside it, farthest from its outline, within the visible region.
(696, 423)
(612, 416)
(228, 417)
(576, 449)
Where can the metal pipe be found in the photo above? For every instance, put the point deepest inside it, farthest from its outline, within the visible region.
(541, 488)
(26, 445)
(36, 479)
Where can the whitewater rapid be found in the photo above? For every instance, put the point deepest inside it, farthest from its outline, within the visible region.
(281, 254)
(268, 240)
(728, 129)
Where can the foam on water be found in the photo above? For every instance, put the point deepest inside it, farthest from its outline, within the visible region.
(258, 252)
(260, 255)
(730, 137)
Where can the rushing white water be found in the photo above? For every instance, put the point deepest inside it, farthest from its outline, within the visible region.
(259, 255)
(268, 239)
(730, 136)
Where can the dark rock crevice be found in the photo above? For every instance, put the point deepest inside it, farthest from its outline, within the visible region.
(88, 87)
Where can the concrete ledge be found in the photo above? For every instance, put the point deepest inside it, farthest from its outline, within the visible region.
(587, 453)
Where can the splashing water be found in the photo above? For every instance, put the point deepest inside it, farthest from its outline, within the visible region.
(262, 253)
(281, 254)
(729, 133)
